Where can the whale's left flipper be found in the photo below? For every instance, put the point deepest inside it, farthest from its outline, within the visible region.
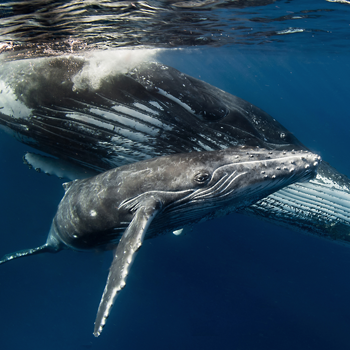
(124, 254)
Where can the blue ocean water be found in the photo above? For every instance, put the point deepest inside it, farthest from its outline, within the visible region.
(234, 283)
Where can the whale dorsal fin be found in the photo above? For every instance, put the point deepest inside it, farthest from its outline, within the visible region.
(123, 257)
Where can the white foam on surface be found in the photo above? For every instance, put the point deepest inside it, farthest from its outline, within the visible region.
(290, 31)
(101, 64)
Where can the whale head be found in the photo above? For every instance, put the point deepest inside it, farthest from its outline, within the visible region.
(197, 183)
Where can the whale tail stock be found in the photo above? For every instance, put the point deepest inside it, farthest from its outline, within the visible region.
(52, 245)
(45, 248)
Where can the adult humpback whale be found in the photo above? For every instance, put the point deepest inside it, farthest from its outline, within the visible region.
(98, 122)
(121, 206)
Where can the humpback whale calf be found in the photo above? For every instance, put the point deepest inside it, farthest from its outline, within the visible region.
(122, 206)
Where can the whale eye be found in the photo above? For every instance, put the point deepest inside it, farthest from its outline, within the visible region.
(201, 177)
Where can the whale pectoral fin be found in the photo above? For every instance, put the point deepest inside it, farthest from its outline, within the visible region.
(123, 257)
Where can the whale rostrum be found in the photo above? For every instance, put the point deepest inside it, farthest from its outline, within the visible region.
(123, 206)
